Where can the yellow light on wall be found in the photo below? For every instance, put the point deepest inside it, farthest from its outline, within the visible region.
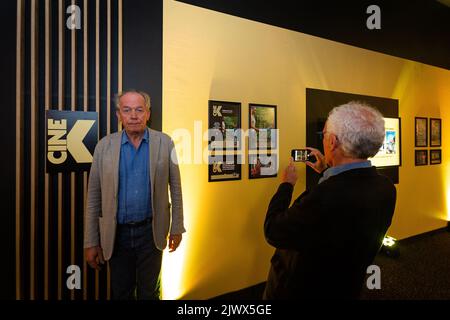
(171, 273)
(448, 205)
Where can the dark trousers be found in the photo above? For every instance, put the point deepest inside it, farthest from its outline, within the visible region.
(135, 264)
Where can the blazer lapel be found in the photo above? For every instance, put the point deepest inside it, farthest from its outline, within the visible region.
(115, 149)
(155, 141)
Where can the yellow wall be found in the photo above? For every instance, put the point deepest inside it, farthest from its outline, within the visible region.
(209, 55)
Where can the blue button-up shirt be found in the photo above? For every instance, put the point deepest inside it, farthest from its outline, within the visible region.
(134, 202)
(345, 167)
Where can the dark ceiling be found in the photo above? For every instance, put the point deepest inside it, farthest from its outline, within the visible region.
(418, 30)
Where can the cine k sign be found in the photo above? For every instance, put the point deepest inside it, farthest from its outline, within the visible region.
(71, 139)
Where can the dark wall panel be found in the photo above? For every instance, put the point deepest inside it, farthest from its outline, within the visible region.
(142, 52)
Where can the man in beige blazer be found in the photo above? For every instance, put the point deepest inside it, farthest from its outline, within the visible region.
(128, 216)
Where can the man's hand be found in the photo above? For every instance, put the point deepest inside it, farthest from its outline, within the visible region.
(94, 257)
(290, 175)
(174, 241)
(320, 165)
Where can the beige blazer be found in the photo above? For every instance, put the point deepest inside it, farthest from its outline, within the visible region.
(102, 197)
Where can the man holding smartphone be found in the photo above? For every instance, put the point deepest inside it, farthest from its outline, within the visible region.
(330, 235)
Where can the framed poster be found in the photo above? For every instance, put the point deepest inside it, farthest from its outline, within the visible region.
(224, 167)
(262, 123)
(421, 131)
(435, 132)
(389, 154)
(421, 157)
(435, 156)
(262, 165)
(224, 125)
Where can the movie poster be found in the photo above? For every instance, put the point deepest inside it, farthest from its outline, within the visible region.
(262, 127)
(224, 125)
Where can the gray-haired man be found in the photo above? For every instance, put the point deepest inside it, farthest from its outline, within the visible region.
(330, 235)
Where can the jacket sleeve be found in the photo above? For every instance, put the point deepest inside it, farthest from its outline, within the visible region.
(93, 203)
(176, 197)
(294, 227)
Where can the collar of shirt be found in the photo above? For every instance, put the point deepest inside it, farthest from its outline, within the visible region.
(345, 167)
(126, 140)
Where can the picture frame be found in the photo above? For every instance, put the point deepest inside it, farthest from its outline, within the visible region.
(421, 132)
(262, 165)
(436, 156)
(262, 124)
(421, 157)
(224, 167)
(390, 153)
(435, 132)
(224, 125)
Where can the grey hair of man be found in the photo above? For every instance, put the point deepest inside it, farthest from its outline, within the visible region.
(142, 93)
(358, 127)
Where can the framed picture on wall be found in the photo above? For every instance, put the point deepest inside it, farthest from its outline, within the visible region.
(435, 156)
(262, 123)
(421, 157)
(224, 125)
(390, 154)
(224, 167)
(421, 132)
(262, 165)
(435, 132)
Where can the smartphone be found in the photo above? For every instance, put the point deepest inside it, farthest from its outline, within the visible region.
(301, 155)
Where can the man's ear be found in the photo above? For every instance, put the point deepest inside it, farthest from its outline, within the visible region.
(334, 142)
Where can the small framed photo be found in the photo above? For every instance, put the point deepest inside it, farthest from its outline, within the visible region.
(421, 157)
(224, 125)
(435, 156)
(262, 165)
(435, 132)
(224, 167)
(262, 125)
(421, 132)
(390, 154)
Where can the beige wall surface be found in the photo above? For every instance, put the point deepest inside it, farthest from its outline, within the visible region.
(212, 56)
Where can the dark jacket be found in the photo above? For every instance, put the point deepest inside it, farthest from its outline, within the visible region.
(329, 236)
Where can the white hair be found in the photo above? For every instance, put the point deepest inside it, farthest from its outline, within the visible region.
(358, 127)
(142, 93)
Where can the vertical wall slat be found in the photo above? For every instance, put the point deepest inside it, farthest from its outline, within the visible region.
(97, 96)
(119, 57)
(46, 182)
(108, 110)
(119, 35)
(33, 146)
(85, 108)
(19, 142)
(72, 174)
(108, 68)
(61, 12)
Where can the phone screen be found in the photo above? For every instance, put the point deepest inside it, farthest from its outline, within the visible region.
(300, 155)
